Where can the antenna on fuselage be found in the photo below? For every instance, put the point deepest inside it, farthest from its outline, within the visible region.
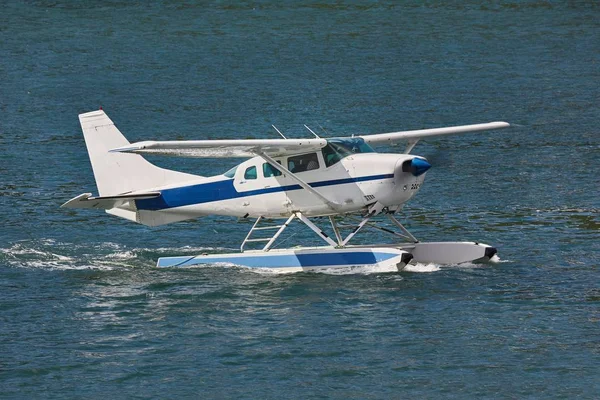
(323, 129)
(311, 131)
(278, 131)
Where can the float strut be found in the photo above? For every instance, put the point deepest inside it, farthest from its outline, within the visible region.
(403, 229)
(336, 230)
(358, 228)
(276, 235)
(316, 229)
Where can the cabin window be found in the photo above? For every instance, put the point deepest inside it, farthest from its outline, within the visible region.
(250, 173)
(231, 172)
(337, 149)
(269, 171)
(305, 162)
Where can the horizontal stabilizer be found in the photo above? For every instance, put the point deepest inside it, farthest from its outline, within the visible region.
(86, 200)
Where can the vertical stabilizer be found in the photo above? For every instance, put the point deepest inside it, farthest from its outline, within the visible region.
(118, 173)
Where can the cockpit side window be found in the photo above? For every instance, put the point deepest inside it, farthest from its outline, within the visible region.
(269, 171)
(305, 162)
(331, 155)
(337, 149)
(250, 173)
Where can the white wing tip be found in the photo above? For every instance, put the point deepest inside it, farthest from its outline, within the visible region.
(73, 203)
(500, 124)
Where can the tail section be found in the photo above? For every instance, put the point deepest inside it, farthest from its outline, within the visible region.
(119, 173)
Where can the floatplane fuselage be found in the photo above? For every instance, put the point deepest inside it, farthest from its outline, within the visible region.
(282, 179)
(254, 189)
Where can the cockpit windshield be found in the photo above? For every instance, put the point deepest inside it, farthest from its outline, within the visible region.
(231, 172)
(339, 148)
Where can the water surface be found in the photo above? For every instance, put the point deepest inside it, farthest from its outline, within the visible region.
(83, 311)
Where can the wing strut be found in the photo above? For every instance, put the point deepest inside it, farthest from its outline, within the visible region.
(409, 146)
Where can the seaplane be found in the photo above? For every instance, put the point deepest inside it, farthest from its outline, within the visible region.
(317, 179)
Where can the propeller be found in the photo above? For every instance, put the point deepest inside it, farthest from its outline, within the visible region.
(441, 158)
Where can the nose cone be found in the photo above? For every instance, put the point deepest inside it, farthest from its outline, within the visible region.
(416, 166)
(419, 166)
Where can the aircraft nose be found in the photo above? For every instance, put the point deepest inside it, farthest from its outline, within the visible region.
(416, 166)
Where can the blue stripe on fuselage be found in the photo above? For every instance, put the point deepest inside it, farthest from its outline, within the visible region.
(224, 190)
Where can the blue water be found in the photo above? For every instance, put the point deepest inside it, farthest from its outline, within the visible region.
(85, 314)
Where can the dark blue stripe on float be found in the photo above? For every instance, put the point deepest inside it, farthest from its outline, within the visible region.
(282, 260)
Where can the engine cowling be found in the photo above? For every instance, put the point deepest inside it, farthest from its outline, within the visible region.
(409, 175)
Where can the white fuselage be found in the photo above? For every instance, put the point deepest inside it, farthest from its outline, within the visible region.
(255, 189)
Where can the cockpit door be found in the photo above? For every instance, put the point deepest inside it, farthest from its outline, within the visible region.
(257, 194)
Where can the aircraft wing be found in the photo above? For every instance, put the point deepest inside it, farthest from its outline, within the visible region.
(280, 147)
(424, 133)
(224, 148)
